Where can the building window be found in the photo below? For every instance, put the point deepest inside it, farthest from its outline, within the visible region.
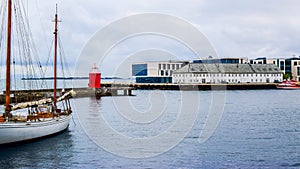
(173, 66)
(295, 63)
(159, 66)
(139, 70)
(168, 66)
(281, 65)
(162, 73)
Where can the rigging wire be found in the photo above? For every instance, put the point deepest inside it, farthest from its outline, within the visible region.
(3, 11)
(28, 57)
(36, 58)
(64, 66)
(24, 51)
(42, 25)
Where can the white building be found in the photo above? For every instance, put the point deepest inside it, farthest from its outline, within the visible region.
(280, 62)
(292, 67)
(195, 73)
(156, 72)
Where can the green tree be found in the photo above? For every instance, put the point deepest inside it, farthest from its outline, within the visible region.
(287, 76)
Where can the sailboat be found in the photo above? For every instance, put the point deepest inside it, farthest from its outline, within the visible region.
(42, 117)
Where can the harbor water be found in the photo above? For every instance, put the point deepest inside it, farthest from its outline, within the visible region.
(257, 129)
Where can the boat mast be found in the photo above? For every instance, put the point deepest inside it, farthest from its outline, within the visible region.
(55, 57)
(8, 56)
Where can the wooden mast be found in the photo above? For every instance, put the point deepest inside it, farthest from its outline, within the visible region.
(8, 56)
(55, 57)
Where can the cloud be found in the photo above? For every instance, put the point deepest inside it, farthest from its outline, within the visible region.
(236, 28)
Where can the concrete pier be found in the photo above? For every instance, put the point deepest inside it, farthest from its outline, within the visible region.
(122, 89)
(239, 86)
(29, 95)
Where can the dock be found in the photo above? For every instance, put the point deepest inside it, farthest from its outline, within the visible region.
(18, 96)
(125, 89)
(236, 86)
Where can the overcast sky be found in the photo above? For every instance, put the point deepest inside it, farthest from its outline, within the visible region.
(236, 28)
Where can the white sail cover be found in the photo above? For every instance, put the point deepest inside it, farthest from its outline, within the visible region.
(30, 104)
(24, 105)
(69, 94)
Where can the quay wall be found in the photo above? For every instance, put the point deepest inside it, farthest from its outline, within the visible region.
(163, 86)
(26, 95)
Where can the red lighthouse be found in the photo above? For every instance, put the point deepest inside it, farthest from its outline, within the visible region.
(95, 78)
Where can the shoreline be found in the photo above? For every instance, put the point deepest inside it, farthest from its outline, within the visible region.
(28, 95)
(165, 86)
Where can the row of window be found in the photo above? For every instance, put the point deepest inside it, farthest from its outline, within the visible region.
(227, 75)
(221, 81)
(169, 66)
(166, 73)
(296, 63)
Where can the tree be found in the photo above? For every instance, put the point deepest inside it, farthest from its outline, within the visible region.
(287, 76)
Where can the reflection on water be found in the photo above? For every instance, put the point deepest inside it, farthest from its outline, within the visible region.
(259, 129)
(50, 153)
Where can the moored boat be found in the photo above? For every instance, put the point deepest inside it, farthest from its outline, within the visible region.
(289, 84)
(37, 118)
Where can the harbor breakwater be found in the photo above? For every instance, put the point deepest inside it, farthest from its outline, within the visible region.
(164, 86)
(125, 89)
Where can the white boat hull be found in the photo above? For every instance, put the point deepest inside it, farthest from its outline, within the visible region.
(17, 132)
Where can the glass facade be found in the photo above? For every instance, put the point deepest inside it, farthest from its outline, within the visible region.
(139, 70)
(226, 60)
(282, 65)
(288, 64)
(153, 79)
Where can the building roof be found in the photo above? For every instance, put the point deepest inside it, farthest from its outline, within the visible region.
(265, 68)
(228, 68)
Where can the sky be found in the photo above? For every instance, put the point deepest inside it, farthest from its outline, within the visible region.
(235, 28)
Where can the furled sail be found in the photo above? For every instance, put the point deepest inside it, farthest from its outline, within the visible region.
(24, 105)
(30, 104)
(69, 94)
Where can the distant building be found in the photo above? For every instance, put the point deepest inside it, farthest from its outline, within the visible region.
(222, 60)
(156, 72)
(292, 67)
(195, 73)
(279, 62)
